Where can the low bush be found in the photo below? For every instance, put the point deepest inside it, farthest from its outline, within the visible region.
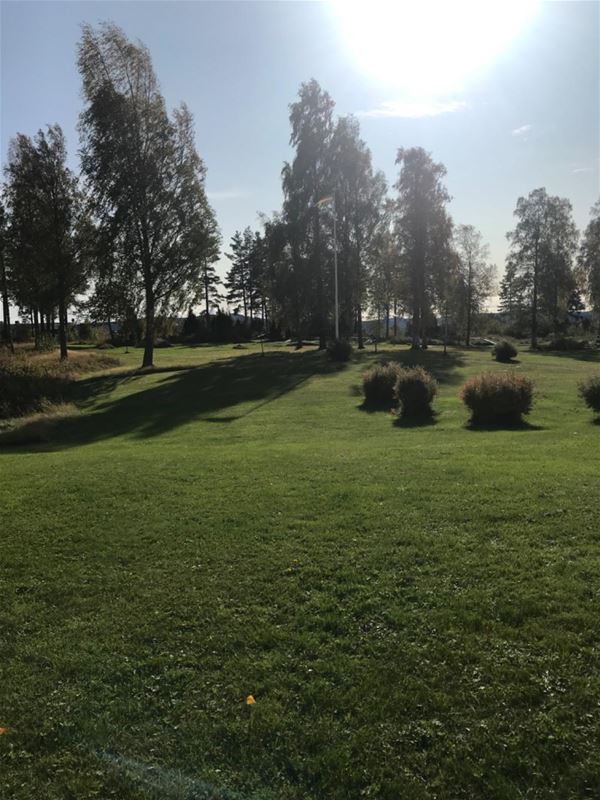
(504, 352)
(379, 383)
(589, 391)
(29, 383)
(414, 390)
(339, 350)
(498, 397)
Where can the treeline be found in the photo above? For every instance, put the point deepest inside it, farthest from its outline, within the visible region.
(399, 253)
(135, 236)
(134, 230)
(547, 270)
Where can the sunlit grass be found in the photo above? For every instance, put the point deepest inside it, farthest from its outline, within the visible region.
(413, 609)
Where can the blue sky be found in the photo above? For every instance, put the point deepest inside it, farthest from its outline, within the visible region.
(528, 118)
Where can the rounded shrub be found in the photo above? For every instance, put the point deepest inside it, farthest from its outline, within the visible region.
(589, 391)
(339, 350)
(379, 383)
(414, 390)
(504, 352)
(498, 397)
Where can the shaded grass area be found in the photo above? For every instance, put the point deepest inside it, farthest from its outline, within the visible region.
(149, 403)
(30, 381)
(414, 609)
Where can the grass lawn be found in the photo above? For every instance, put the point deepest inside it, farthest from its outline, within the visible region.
(414, 609)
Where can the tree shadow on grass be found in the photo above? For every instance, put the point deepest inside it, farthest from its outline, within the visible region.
(181, 396)
(444, 368)
(592, 356)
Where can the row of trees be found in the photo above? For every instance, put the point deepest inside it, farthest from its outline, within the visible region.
(136, 233)
(137, 224)
(46, 235)
(395, 256)
(399, 254)
(546, 271)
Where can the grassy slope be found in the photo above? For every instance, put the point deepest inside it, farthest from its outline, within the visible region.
(414, 609)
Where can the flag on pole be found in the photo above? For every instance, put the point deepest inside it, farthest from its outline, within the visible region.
(325, 201)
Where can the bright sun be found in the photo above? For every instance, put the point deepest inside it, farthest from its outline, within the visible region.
(429, 48)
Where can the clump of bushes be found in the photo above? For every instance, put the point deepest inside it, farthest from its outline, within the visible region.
(379, 383)
(498, 397)
(414, 391)
(504, 352)
(339, 350)
(29, 383)
(589, 391)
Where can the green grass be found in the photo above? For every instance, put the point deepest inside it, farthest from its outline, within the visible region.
(415, 609)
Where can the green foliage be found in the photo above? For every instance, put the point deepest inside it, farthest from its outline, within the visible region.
(340, 350)
(421, 205)
(498, 397)
(504, 352)
(246, 277)
(49, 229)
(144, 174)
(379, 382)
(589, 391)
(414, 390)
(589, 258)
(542, 250)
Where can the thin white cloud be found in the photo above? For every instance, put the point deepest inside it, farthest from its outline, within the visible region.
(522, 131)
(413, 109)
(582, 169)
(227, 194)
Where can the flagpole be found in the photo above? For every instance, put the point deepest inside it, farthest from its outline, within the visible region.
(335, 270)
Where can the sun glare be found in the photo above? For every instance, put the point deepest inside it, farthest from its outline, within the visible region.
(429, 48)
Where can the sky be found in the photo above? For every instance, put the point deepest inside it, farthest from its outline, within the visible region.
(508, 101)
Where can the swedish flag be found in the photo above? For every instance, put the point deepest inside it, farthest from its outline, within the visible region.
(325, 201)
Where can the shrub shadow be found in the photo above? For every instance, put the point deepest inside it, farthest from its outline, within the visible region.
(506, 425)
(418, 421)
(374, 408)
(184, 394)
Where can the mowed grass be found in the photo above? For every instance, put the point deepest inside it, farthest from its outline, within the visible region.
(414, 608)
